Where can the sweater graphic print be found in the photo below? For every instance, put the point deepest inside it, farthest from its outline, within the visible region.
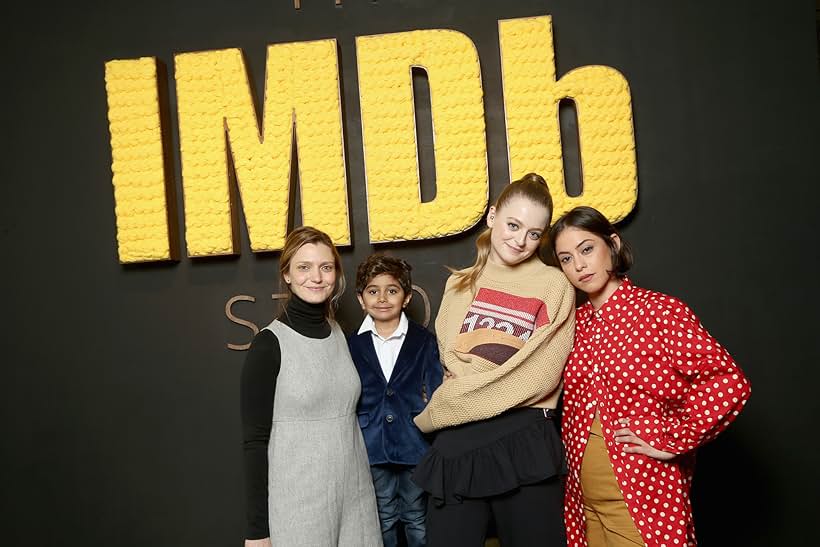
(498, 324)
(469, 320)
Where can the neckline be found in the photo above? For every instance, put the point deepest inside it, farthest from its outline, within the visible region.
(619, 294)
(494, 270)
(306, 319)
(331, 324)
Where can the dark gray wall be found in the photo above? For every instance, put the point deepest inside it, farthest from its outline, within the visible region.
(119, 399)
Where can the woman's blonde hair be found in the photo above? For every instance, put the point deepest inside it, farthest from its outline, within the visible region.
(532, 187)
(295, 240)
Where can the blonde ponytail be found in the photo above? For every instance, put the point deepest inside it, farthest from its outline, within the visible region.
(531, 186)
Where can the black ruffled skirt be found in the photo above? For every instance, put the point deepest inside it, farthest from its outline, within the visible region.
(492, 457)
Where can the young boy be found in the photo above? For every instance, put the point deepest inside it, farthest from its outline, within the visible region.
(399, 367)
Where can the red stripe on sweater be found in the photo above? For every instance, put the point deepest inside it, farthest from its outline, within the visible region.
(516, 315)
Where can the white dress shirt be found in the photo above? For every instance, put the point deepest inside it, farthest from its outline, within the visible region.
(387, 348)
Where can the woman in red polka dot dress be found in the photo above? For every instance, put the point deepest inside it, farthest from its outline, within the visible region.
(645, 385)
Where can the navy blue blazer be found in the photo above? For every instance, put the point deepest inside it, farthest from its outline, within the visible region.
(386, 409)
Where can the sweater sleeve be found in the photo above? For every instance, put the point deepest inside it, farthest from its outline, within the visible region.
(257, 388)
(528, 376)
(718, 390)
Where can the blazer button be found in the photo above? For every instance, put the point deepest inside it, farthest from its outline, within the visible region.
(389, 392)
(389, 418)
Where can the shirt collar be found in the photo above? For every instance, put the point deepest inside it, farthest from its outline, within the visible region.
(608, 311)
(368, 325)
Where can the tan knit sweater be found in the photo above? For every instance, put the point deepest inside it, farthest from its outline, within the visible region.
(529, 375)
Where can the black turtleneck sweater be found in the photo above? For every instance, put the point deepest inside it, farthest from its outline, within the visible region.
(257, 388)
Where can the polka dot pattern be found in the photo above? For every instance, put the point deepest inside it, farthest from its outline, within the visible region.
(646, 357)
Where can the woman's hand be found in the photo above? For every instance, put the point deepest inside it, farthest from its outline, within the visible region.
(636, 445)
(258, 542)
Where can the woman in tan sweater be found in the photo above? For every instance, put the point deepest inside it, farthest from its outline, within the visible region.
(505, 328)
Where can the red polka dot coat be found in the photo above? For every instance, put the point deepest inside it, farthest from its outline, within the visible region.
(646, 357)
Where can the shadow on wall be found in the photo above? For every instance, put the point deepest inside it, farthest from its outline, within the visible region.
(731, 494)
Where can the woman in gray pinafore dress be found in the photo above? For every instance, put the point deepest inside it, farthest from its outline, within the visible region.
(306, 467)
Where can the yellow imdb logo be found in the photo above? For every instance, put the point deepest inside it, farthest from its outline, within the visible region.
(221, 139)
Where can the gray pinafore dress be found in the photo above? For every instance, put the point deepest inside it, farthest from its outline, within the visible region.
(320, 493)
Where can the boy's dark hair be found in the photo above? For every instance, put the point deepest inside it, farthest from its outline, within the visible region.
(591, 220)
(375, 265)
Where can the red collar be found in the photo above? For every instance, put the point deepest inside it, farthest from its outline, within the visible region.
(612, 310)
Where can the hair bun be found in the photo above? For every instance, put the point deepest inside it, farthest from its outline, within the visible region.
(534, 177)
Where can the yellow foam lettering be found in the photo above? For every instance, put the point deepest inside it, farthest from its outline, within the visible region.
(395, 209)
(301, 96)
(602, 98)
(217, 117)
(137, 165)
